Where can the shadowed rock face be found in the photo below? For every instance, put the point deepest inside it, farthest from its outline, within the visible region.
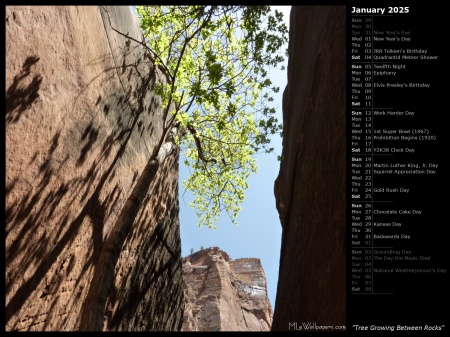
(81, 123)
(223, 294)
(310, 188)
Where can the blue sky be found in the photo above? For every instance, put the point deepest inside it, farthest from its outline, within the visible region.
(259, 232)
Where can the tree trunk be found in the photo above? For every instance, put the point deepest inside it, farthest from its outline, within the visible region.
(93, 309)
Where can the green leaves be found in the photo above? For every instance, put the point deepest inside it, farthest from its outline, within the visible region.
(218, 59)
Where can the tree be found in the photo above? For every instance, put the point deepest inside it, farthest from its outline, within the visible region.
(192, 251)
(217, 60)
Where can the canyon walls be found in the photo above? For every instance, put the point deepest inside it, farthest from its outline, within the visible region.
(81, 124)
(310, 188)
(222, 294)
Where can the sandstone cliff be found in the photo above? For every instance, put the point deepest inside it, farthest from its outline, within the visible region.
(81, 124)
(222, 294)
(310, 188)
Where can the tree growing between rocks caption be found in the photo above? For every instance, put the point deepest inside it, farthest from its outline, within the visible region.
(217, 60)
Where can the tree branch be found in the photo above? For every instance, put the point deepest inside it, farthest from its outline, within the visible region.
(199, 145)
(165, 69)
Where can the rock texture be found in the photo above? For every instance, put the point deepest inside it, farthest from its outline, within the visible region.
(222, 294)
(310, 188)
(81, 124)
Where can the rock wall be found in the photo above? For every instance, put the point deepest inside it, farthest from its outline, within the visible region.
(310, 188)
(222, 294)
(81, 124)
